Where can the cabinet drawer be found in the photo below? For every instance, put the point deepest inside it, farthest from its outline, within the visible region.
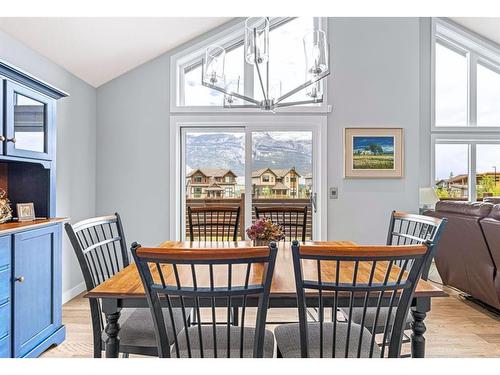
(4, 284)
(4, 318)
(5, 347)
(5, 251)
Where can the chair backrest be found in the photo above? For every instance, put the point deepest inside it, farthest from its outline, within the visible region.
(101, 250)
(410, 229)
(206, 277)
(359, 276)
(292, 219)
(99, 245)
(213, 223)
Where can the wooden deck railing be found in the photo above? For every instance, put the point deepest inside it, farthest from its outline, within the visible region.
(260, 202)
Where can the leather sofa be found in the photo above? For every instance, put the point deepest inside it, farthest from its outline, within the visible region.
(468, 255)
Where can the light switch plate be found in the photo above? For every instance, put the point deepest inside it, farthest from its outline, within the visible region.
(334, 193)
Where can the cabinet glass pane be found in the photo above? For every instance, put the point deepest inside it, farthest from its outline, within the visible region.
(488, 96)
(451, 87)
(29, 124)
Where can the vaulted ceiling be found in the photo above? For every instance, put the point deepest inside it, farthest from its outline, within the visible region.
(100, 49)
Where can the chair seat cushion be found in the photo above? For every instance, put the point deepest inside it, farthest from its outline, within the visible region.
(288, 340)
(207, 335)
(137, 330)
(357, 316)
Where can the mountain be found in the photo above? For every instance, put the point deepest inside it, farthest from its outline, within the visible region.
(270, 150)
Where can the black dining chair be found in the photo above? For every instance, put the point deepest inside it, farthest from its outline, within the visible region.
(404, 229)
(213, 223)
(293, 220)
(185, 277)
(374, 280)
(100, 247)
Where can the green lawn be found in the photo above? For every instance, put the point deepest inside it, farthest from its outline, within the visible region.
(373, 161)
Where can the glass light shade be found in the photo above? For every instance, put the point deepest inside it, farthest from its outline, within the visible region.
(231, 85)
(256, 40)
(315, 90)
(316, 52)
(215, 57)
(275, 89)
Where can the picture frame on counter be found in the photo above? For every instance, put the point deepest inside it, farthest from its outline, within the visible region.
(25, 211)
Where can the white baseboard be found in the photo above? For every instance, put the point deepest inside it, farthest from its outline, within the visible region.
(73, 292)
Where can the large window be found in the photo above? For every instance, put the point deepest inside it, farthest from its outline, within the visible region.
(466, 126)
(467, 78)
(286, 64)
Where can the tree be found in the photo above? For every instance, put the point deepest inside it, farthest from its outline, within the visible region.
(375, 149)
(486, 185)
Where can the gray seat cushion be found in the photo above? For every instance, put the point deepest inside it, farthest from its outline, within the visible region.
(137, 330)
(288, 339)
(357, 316)
(221, 336)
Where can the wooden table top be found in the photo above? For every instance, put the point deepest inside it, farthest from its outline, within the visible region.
(127, 284)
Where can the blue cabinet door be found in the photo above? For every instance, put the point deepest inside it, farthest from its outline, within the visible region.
(37, 296)
(5, 288)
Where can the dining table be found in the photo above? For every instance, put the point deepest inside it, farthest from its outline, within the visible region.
(125, 290)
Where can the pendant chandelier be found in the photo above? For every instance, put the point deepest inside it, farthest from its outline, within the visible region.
(256, 50)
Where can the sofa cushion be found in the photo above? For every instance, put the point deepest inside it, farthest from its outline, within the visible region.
(494, 200)
(478, 209)
(495, 212)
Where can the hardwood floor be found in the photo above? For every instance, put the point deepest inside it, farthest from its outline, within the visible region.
(455, 328)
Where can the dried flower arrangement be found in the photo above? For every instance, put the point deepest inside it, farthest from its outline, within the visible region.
(5, 210)
(264, 230)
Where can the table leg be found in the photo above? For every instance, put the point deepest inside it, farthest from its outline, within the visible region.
(419, 312)
(112, 312)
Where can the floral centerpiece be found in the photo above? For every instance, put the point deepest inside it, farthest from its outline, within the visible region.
(263, 231)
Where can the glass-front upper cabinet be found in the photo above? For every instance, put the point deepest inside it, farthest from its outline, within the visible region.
(29, 119)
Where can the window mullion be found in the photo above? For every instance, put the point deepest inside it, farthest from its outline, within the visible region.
(472, 173)
(248, 79)
(472, 89)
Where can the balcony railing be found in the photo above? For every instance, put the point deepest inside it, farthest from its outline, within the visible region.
(259, 202)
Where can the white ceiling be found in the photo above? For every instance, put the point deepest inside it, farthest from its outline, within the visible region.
(488, 27)
(100, 49)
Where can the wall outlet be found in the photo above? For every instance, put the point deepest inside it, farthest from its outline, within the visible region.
(334, 193)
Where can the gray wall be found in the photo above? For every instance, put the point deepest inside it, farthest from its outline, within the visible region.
(375, 82)
(76, 145)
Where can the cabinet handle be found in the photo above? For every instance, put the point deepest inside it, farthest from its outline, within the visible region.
(2, 138)
(13, 139)
(19, 279)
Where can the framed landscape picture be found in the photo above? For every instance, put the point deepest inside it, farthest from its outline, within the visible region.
(373, 153)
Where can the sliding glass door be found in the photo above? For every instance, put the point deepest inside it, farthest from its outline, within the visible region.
(250, 165)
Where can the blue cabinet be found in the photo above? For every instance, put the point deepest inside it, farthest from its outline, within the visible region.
(29, 122)
(33, 288)
(5, 297)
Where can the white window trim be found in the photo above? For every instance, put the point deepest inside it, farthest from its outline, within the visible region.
(479, 50)
(478, 139)
(227, 37)
(318, 124)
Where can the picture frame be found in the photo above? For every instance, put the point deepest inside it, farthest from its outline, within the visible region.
(25, 211)
(373, 153)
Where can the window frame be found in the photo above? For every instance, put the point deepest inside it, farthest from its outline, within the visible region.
(478, 51)
(231, 37)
